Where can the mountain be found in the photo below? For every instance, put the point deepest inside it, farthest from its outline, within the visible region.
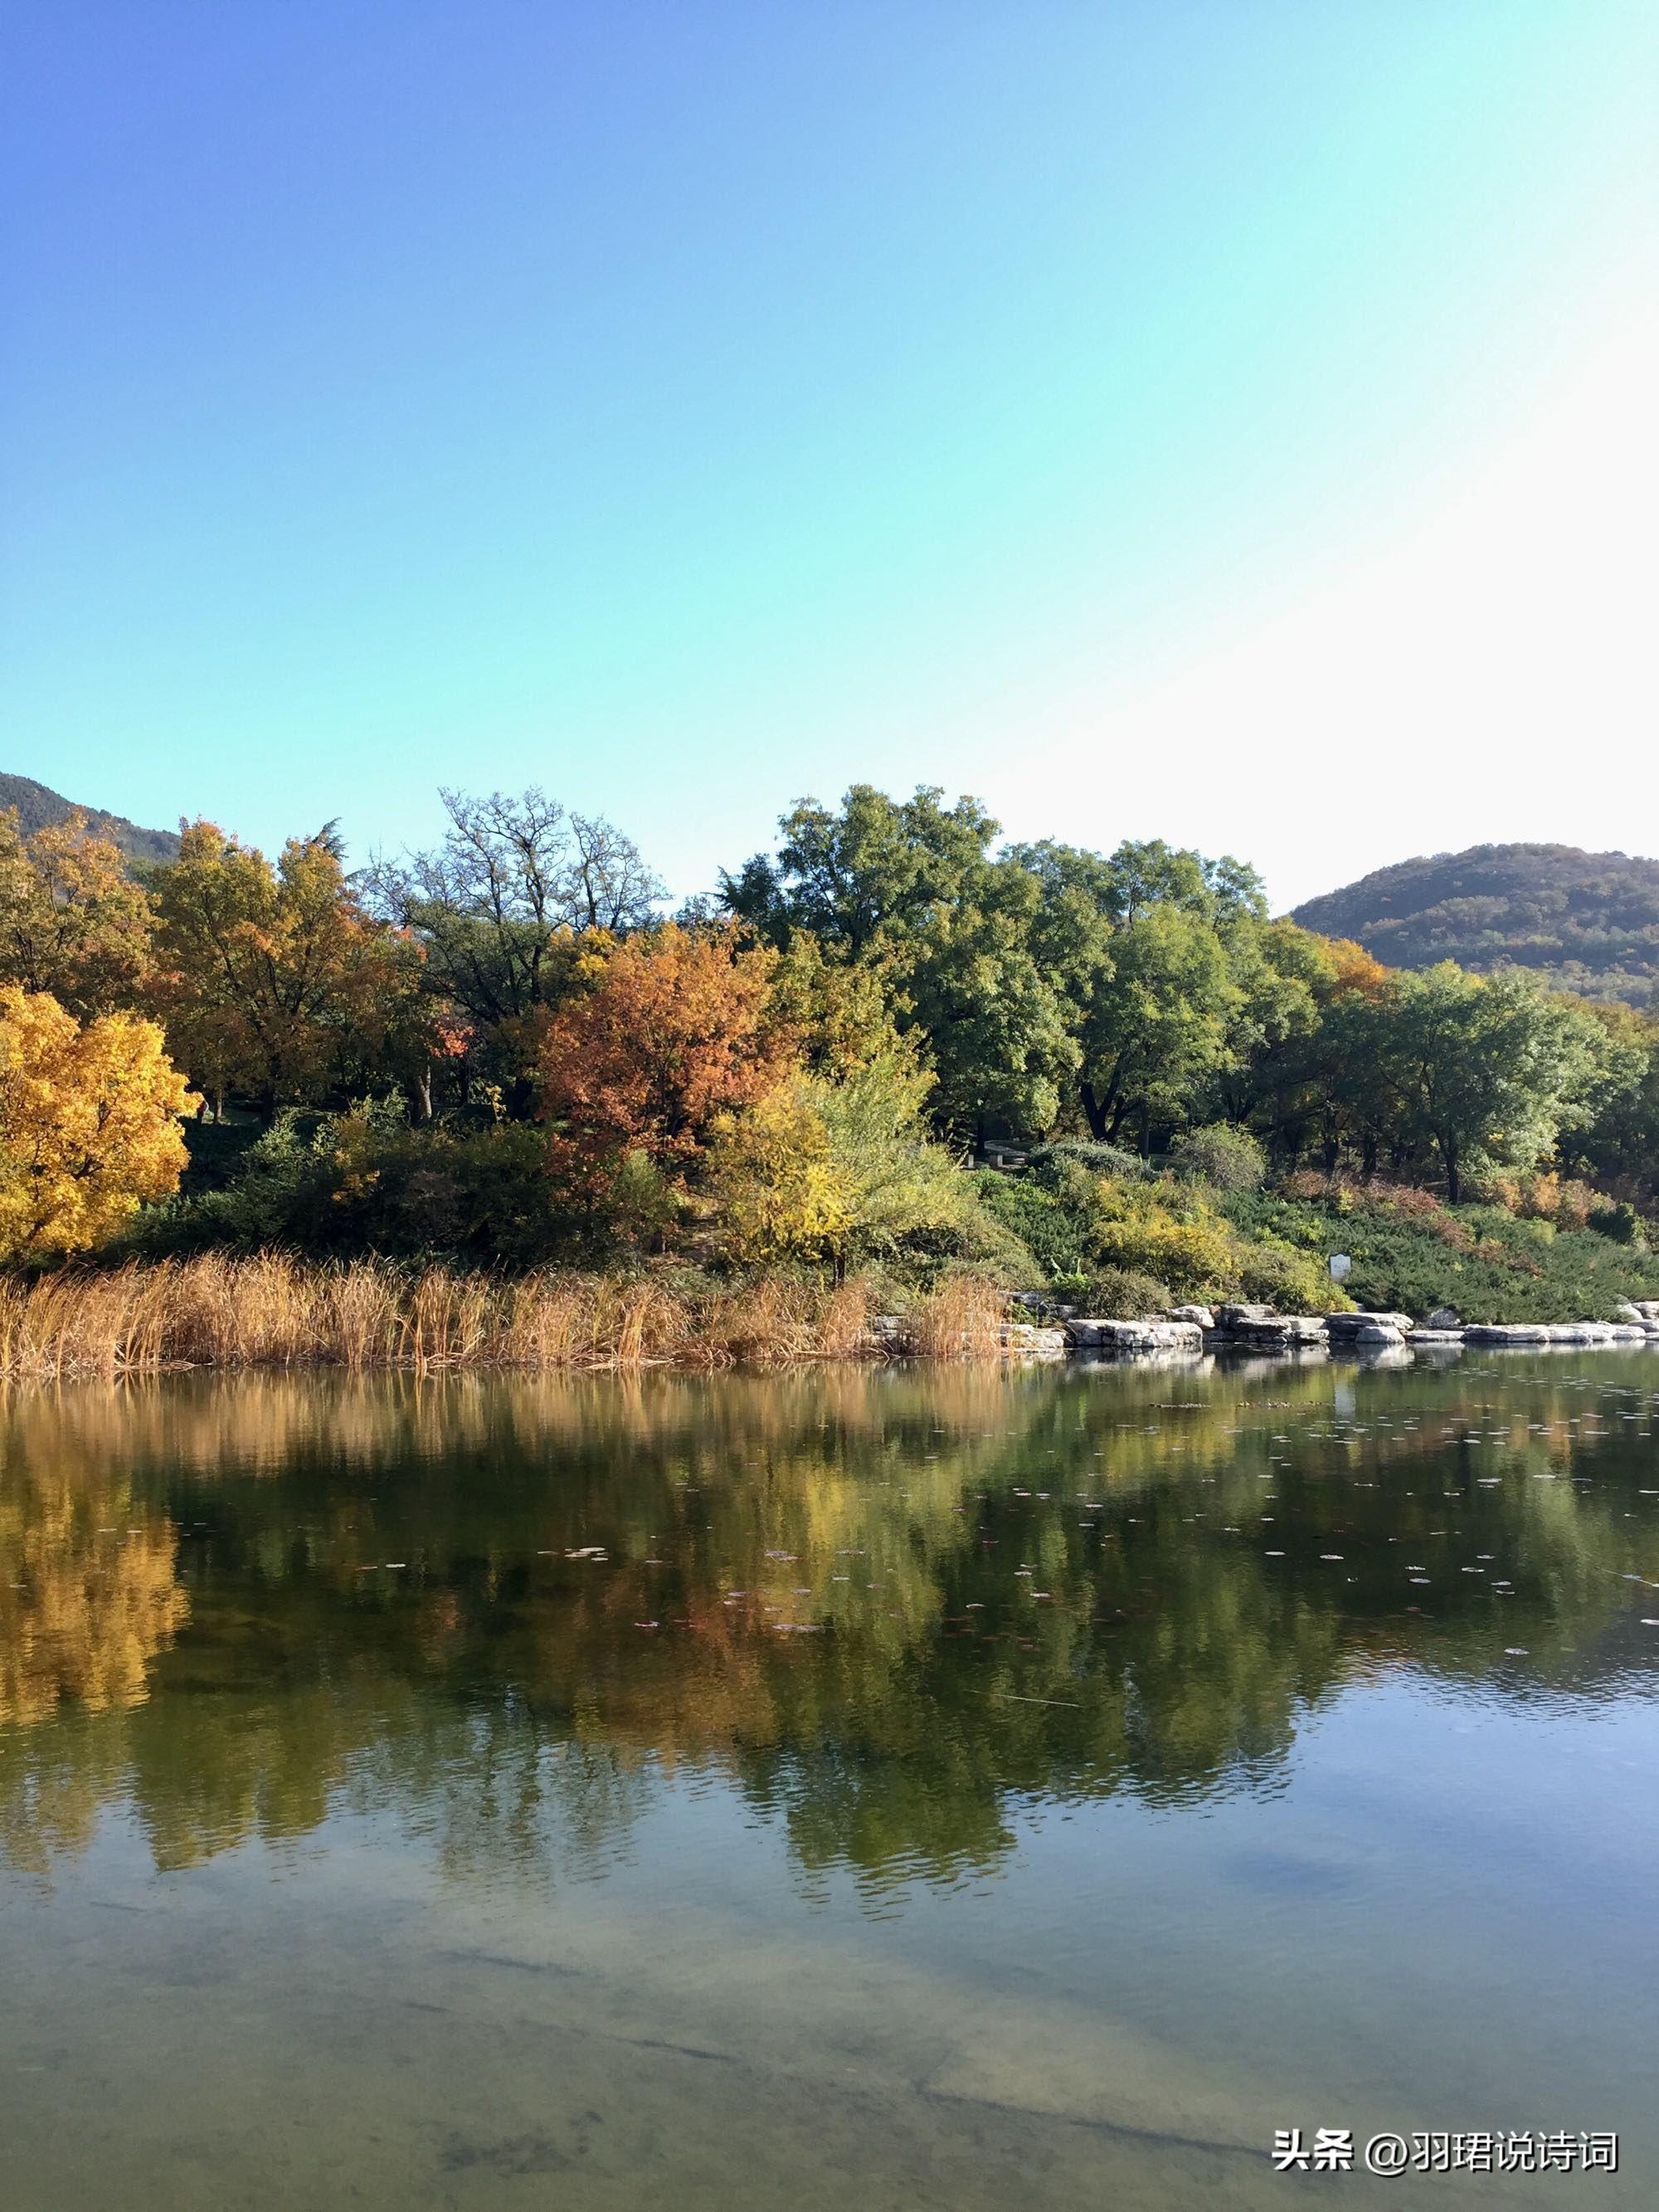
(1584, 921)
(38, 807)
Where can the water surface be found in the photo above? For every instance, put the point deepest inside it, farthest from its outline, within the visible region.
(860, 1790)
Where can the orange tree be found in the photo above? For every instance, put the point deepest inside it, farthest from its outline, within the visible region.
(677, 1028)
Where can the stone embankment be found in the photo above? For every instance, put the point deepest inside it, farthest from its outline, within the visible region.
(1054, 1332)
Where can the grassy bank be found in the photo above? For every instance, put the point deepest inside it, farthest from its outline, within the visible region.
(271, 1309)
(1413, 1252)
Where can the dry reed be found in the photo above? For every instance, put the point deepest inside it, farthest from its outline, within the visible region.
(273, 1309)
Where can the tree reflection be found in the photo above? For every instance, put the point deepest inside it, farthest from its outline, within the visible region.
(888, 1607)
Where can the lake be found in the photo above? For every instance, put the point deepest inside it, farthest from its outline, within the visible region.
(862, 1788)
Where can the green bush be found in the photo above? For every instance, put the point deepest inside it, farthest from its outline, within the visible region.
(1228, 1158)
(1122, 1294)
(1480, 1258)
(1055, 1228)
(1278, 1275)
(1058, 1164)
(1622, 1222)
(366, 1181)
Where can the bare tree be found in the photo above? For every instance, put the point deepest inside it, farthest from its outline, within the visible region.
(510, 873)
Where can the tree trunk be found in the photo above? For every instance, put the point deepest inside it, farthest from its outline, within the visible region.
(1454, 1179)
(1094, 1111)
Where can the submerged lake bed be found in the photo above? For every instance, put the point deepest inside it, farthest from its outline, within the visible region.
(860, 1787)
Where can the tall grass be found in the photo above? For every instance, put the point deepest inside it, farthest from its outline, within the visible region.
(272, 1310)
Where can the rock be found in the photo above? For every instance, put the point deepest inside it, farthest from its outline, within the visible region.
(1021, 1341)
(1375, 1333)
(1505, 1332)
(1234, 1316)
(1626, 1311)
(1436, 1336)
(1444, 1317)
(1202, 1315)
(1352, 1327)
(1277, 1329)
(1102, 1336)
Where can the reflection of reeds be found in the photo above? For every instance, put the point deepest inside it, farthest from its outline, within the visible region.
(222, 1310)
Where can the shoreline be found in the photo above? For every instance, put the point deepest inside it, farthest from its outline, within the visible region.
(271, 1310)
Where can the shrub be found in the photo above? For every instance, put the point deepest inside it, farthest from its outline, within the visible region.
(1295, 1282)
(1222, 1154)
(1055, 1228)
(1191, 1249)
(364, 1182)
(1122, 1294)
(1620, 1222)
(1055, 1164)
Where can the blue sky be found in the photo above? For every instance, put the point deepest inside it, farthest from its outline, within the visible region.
(1229, 422)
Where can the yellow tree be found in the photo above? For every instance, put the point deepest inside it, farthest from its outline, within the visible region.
(781, 1193)
(275, 982)
(72, 920)
(88, 1124)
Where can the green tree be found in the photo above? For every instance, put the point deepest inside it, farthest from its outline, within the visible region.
(862, 877)
(1159, 1028)
(910, 889)
(1490, 1067)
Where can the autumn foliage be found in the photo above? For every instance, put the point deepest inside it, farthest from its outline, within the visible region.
(72, 920)
(88, 1124)
(676, 1031)
(274, 981)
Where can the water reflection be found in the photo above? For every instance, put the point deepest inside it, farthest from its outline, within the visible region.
(888, 1608)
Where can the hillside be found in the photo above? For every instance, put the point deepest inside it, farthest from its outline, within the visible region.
(1584, 921)
(37, 806)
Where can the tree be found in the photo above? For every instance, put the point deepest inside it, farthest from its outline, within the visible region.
(1168, 973)
(73, 923)
(838, 1009)
(780, 1192)
(676, 1029)
(908, 889)
(862, 878)
(1614, 1134)
(89, 1118)
(274, 982)
(1159, 1028)
(498, 902)
(1488, 1065)
(991, 1023)
(845, 1170)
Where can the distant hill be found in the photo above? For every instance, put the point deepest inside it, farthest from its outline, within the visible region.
(1584, 921)
(38, 808)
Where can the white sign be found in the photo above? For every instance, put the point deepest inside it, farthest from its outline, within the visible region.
(1342, 1266)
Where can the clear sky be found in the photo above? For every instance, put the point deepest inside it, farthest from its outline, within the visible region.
(1229, 420)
